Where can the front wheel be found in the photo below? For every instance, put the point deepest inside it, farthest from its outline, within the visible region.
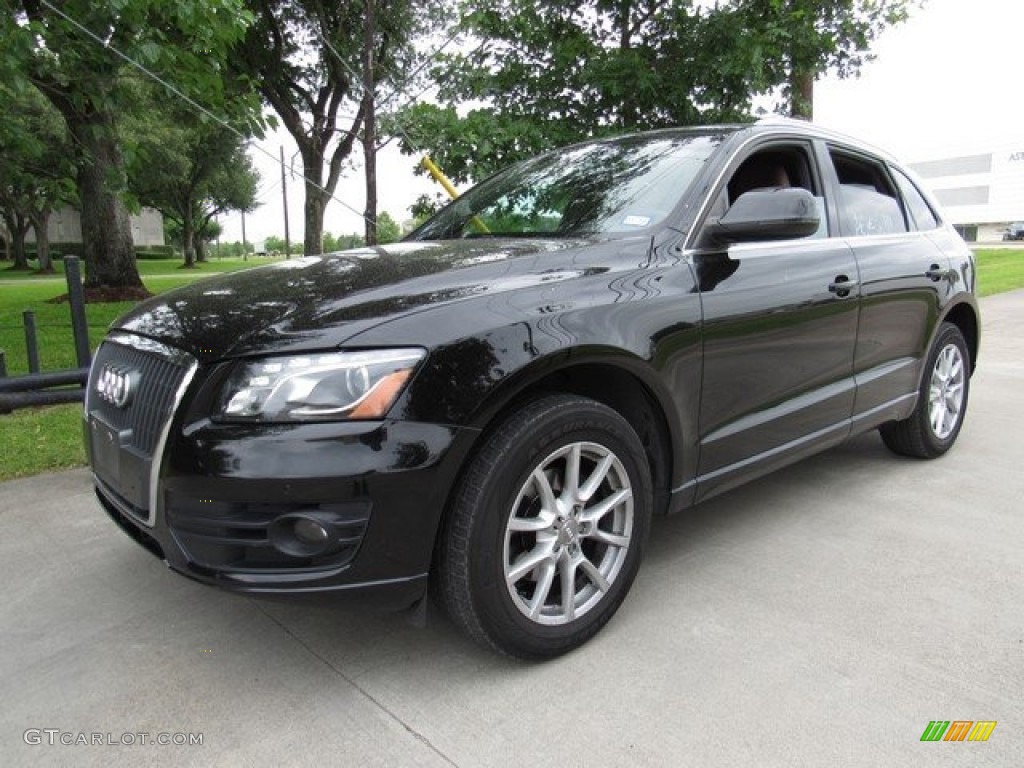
(547, 529)
(933, 427)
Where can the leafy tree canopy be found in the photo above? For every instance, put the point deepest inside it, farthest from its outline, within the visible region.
(36, 172)
(307, 58)
(547, 74)
(388, 230)
(77, 54)
(189, 169)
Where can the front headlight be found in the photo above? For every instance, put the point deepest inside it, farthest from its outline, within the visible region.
(333, 386)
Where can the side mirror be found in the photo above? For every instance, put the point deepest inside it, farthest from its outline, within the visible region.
(768, 214)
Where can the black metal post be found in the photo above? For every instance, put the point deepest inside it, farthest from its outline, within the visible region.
(31, 343)
(76, 299)
(3, 364)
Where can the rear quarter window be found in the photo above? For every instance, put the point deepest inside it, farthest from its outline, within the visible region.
(921, 214)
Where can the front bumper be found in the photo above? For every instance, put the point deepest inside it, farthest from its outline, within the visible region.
(219, 502)
(223, 490)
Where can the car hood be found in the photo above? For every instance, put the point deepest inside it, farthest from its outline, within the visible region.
(320, 301)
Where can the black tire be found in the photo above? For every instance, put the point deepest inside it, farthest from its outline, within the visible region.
(919, 435)
(484, 546)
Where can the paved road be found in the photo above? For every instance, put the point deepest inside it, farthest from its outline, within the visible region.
(820, 617)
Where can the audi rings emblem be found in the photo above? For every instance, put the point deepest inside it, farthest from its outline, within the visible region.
(116, 385)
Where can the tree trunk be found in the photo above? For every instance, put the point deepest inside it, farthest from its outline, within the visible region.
(316, 200)
(801, 93)
(40, 223)
(369, 125)
(18, 226)
(107, 248)
(188, 238)
(629, 114)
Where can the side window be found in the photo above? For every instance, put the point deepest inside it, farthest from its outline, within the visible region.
(868, 202)
(921, 213)
(771, 168)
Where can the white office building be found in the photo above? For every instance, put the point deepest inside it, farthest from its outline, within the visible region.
(980, 193)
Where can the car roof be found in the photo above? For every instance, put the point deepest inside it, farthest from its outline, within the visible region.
(771, 125)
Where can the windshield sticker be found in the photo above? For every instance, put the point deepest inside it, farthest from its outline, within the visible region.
(636, 221)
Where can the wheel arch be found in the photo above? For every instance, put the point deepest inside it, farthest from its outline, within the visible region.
(627, 394)
(611, 377)
(964, 315)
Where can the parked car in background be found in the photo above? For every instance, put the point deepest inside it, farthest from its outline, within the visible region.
(495, 408)
(1015, 231)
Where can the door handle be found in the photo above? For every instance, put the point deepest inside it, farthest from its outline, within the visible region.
(936, 273)
(842, 286)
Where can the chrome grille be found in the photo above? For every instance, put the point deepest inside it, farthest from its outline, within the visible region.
(135, 386)
(158, 380)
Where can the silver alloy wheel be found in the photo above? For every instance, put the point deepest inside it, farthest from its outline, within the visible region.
(568, 533)
(946, 391)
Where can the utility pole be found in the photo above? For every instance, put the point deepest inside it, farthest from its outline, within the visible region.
(284, 195)
(370, 124)
(245, 251)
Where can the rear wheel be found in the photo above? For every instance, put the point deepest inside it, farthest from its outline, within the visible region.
(933, 427)
(547, 528)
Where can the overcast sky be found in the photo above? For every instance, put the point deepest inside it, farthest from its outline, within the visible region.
(946, 82)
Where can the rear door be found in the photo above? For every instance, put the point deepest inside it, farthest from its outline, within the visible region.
(903, 278)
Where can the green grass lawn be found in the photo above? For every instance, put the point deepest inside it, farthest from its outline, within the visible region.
(147, 268)
(37, 440)
(20, 291)
(999, 270)
(43, 439)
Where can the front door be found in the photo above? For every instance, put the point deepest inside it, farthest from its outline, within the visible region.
(779, 332)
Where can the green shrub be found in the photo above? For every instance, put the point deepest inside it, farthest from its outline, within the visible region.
(157, 252)
(58, 250)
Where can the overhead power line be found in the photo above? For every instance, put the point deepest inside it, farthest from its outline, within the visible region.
(177, 92)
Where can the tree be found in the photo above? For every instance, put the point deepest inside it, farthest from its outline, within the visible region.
(36, 174)
(190, 169)
(232, 187)
(275, 245)
(233, 250)
(548, 74)
(290, 50)
(388, 230)
(310, 58)
(18, 224)
(797, 40)
(351, 240)
(70, 55)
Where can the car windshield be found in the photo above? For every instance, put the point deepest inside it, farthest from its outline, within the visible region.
(610, 186)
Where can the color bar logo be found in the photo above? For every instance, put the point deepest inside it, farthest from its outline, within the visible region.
(958, 730)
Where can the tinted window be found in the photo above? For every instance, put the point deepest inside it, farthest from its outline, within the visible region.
(771, 168)
(608, 186)
(920, 212)
(868, 203)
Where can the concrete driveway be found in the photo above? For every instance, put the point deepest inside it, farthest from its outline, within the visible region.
(820, 617)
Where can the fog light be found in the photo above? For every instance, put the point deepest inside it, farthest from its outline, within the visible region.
(310, 532)
(306, 533)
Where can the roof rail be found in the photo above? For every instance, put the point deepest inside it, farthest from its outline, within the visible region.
(775, 119)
